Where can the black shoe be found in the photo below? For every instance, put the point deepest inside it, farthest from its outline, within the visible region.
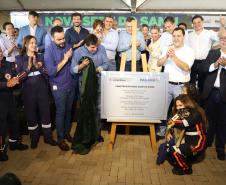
(69, 138)
(17, 146)
(63, 146)
(100, 139)
(188, 171)
(34, 145)
(51, 142)
(3, 156)
(221, 156)
(179, 171)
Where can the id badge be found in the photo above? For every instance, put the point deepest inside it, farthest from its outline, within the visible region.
(55, 87)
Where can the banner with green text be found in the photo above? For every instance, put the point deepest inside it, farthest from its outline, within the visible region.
(88, 19)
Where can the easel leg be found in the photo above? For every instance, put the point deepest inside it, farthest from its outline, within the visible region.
(112, 136)
(153, 138)
(127, 129)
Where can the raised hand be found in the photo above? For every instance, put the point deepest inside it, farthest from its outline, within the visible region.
(222, 61)
(12, 82)
(85, 62)
(68, 55)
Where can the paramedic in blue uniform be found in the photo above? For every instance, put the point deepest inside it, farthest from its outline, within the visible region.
(8, 119)
(30, 68)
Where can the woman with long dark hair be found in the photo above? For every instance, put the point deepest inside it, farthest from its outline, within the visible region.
(32, 75)
(191, 120)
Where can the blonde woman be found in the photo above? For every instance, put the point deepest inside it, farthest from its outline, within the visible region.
(154, 49)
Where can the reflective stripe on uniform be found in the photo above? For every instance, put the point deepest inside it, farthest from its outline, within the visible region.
(35, 73)
(185, 122)
(46, 126)
(12, 140)
(192, 133)
(33, 128)
(177, 149)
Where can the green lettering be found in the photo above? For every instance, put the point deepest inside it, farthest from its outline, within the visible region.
(144, 20)
(152, 21)
(176, 20)
(101, 17)
(86, 21)
(66, 20)
(160, 21)
(92, 19)
(48, 21)
(121, 21)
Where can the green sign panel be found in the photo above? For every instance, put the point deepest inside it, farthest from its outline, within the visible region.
(87, 20)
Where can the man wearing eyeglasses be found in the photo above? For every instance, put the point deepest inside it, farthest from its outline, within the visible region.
(214, 94)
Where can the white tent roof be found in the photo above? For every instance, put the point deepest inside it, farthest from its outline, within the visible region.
(129, 5)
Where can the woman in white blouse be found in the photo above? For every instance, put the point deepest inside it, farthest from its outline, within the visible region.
(154, 49)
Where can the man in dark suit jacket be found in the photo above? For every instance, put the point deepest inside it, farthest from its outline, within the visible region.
(214, 94)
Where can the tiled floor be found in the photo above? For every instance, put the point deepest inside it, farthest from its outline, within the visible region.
(130, 163)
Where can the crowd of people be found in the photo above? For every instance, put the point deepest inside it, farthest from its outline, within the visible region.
(62, 63)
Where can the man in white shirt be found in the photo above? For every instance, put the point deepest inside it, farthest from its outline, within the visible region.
(177, 60)
(201, 41)
(110, 42)
(8, 42)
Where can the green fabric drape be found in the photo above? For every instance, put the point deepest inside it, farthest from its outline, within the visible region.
(86, 131)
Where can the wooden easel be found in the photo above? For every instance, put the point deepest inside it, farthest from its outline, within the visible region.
(128, 123)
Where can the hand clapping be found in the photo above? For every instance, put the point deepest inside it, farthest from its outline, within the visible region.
(170, 52)
(12, 82)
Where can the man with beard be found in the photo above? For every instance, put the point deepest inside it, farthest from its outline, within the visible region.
(76, 34)
(57, 60)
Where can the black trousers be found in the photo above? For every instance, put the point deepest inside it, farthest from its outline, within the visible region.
(128, 66)
(180, 157)
(8, 120)
(216, 114)
(36, 105)
(196, 75)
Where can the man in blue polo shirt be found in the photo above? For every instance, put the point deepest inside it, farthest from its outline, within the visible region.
(76, 34)
(97, 53)
(58, 60)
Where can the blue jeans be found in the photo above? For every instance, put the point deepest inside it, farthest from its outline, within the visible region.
(173, 92)
(63, 102)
